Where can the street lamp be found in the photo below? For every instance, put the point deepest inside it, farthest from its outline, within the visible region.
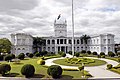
(72, 29)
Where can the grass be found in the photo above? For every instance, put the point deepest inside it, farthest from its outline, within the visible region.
(64, 62)
(113, 58)
(40, 71)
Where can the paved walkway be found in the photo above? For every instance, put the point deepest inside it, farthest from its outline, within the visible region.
(96, 71)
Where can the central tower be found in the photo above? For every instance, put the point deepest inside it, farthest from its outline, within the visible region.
(60, 27)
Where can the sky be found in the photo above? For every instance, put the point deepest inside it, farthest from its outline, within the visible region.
(36, 17)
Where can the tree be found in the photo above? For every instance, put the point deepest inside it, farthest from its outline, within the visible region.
(38, 42)
(85, 38)
(5, 45)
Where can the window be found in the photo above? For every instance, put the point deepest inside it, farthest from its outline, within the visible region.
(77, 48)
(97, 41)
(48, 41)
(64, 41)
(48, 48)
(108, 41)
(61, 41)
(77, 41)
(57, 41)
(53, 41)
(23, 48)
(70, 42)
(81, 41)
(104, 49)
(53, 49)
(74, 41)
(18, 48)
(104, 41)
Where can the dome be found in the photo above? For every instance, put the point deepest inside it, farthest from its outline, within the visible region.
(60, 20)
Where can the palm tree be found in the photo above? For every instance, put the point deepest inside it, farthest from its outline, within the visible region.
(38, 42)
(84, 39)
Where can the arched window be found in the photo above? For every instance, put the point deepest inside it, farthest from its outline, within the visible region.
(53, 41)
(23, 48)
(18, 48)
(48, 41)
(77, 41)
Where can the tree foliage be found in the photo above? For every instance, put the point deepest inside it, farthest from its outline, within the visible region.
(5, 45)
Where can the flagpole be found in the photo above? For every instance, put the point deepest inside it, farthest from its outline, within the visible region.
(72, 30)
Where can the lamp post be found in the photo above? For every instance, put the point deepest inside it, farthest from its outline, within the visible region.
(72, 29)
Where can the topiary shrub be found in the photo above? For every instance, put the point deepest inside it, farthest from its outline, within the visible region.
(8, 57)
(77, 54)
(28, 70)
(55, 71)
(111, 54)
(13, 56)
(27, 54)
(70, 52)
(99, 56)
(83, 51)
(94, 53)
(60, 52)
(103, 56)
(102, 53)
(1, 57)
(81, 68)
(109, 66)
(63, 54)
(21, 56)
(30, 55)
(4, 68)
(89, 52)
(41, 62)
(37, 54)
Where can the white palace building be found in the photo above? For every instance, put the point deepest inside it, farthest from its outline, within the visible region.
(23, 43)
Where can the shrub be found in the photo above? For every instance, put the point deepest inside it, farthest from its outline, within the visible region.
(13, 56)
(118, 53)
(21, 56)
(94, 53)
(83, 51)
(43, 53)
(41, 62)
(89, 52)
(1, 57)
(99, 56)
(118, 59)
(103, 56)
(8, 57)
(60, 52)
(4, 68)
(102, 53)
(55, 71)
(109, 66)
(30, 55)
(81, 68)
(111, 54)
(27, 54)
(63, 54)
(28, 70)
(37, 54)
(77, 54)
(70, 52)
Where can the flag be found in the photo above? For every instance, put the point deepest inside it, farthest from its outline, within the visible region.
(59, 16)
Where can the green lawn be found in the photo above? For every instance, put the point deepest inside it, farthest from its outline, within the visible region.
(64, 62)
(113, 58)
(40, 71)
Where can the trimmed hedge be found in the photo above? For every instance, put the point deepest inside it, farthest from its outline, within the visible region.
(81, 68)
(37, 54)
(89, 52)
(111, 54)
(41, 62)
(109, 66)
(102, 53)
(94, 53)
(1, 57)
(8, 57)
(55, 71)
(77, 54)
(21, 56)
(30, 55)
(63, 54)
(4, 68)
(28, 70)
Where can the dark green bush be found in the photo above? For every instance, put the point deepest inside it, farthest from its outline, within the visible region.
(102, 53)
(4, 68)
(83, 51)
(60, 52)
(30, 55)
(63, 54)
(70, 52)
(21, 56)
(111, 54)
(94, 53)
(81, 68)
(43, 53)
(109, 66)
(8, 57)
(89, 52)
(103, 56)
(13, 56)
(37, 54)
(27, 54)
(77, 54)
(55, 71)
(1, 57)
(99, 56)
(28, 70)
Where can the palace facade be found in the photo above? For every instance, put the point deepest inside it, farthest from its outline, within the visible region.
(23, 43)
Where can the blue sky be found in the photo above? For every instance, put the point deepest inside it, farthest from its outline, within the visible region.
(37, 17)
